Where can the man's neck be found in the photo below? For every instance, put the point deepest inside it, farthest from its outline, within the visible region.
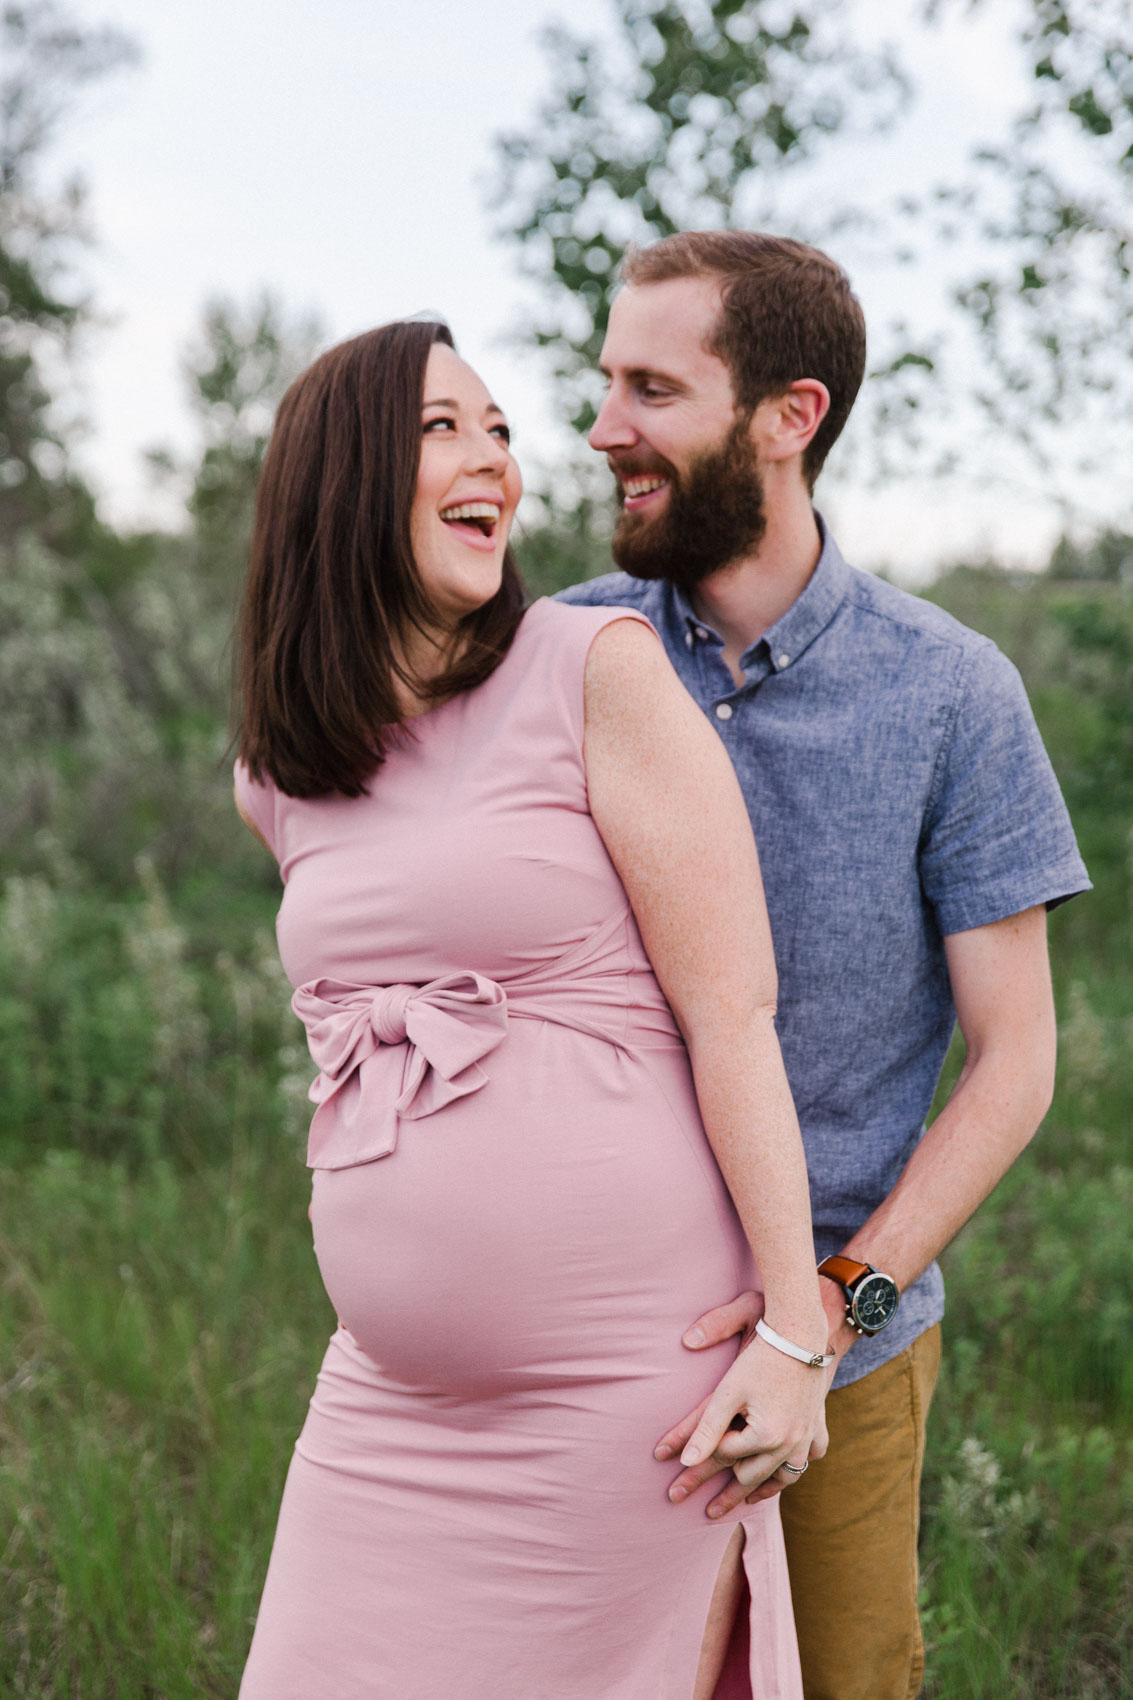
(744, 599)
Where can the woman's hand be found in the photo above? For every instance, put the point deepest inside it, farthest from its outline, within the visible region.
(780, 1403)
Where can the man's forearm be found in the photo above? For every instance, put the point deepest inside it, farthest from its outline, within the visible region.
(999, 1102)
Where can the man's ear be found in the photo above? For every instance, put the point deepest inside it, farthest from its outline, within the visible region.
(789, 421)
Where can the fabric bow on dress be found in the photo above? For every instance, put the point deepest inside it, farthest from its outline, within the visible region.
(434, 1036)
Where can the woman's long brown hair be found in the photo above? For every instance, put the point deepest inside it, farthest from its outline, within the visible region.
(333, 590)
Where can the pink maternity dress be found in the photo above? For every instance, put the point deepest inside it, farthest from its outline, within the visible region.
(516, 1215)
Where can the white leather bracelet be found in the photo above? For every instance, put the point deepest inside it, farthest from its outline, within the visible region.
(816, 1360)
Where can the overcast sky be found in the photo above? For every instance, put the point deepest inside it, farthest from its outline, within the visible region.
(338, 151)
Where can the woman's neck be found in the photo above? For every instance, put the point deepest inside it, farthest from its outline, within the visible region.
(424, 657)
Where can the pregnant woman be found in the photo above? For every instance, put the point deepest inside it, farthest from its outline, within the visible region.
(523, 916)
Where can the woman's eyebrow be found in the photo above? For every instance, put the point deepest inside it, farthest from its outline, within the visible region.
(448, 401)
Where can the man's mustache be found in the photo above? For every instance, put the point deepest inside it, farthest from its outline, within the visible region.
(638, 466)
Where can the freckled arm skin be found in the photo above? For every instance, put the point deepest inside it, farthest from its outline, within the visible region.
(668, 805)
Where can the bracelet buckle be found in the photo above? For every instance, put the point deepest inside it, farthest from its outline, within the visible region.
(813, 1360)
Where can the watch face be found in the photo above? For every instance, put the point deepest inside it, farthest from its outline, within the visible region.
(875, 1303)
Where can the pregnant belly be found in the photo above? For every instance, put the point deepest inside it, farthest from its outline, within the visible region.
(564, 1224)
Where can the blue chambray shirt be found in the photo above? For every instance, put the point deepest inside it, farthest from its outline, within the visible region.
(899, 790)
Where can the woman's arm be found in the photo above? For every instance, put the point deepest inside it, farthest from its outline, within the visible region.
(669, 808)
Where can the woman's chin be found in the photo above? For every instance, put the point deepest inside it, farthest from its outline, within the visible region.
(458, 601)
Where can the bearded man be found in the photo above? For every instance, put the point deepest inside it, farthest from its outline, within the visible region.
(912, 836)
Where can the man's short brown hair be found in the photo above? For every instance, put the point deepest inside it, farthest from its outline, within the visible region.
(788, 312)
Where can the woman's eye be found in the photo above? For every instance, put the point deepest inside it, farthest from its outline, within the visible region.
(503, 432)
(433, 424)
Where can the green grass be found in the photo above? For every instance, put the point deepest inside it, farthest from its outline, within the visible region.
(160, 1338)
(1026, 1544)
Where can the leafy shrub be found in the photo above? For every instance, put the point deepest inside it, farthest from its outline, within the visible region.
(121, 1036)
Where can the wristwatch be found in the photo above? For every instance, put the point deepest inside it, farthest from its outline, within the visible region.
(871, 1298)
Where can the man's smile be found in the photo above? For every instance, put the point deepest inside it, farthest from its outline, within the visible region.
(638, 492)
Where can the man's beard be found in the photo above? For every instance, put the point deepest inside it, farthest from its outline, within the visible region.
(714, 515)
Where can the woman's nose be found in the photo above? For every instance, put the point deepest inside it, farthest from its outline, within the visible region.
(489, 455)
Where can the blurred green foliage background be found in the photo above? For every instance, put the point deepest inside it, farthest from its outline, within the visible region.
(162, 1316)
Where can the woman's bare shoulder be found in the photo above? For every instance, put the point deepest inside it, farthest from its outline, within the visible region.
(630, 681)
(626, 648)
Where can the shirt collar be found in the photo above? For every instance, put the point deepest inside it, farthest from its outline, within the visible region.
(811, 613)
(806, 618)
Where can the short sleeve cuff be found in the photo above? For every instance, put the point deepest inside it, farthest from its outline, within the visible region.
(995, 902)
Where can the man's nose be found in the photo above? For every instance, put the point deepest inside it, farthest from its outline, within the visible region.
(612, 428)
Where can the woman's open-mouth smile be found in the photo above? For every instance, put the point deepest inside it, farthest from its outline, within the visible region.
(475, 522)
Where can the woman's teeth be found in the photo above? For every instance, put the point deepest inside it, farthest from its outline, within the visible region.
(485, 515)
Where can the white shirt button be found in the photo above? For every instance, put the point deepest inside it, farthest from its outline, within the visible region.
(700, 632)
(688, 640)
(723, 711)
(782, 660)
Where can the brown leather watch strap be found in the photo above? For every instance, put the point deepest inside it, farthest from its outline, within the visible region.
(843, 1269)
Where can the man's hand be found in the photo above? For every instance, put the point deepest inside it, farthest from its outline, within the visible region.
(711, 1329)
